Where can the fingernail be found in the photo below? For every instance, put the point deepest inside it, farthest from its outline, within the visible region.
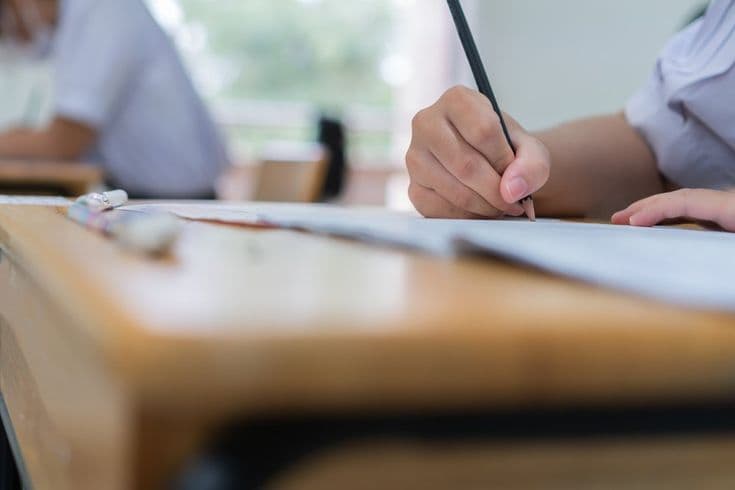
(517, 188)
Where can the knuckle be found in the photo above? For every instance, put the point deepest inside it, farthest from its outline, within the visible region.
(456, 95)
(504, 159)
(464, 200)
(418, 121)
(465, 167)
(486, 128)
(492, 120)
(413, 161)
(414, 194)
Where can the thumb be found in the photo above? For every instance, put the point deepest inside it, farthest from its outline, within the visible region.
(527, 173)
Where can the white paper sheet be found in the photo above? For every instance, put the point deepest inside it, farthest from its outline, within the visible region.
(686, 267)
(201, 212)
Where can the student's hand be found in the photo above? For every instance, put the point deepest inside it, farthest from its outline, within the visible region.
(696, 204)
(461, 165)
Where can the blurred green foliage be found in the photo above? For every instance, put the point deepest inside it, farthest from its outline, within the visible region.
(327, 52)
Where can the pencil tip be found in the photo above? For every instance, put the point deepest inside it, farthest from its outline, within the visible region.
(529, 208)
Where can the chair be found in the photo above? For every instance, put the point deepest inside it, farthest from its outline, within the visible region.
(291, 173)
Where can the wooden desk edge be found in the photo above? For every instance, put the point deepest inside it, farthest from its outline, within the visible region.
(542, 366)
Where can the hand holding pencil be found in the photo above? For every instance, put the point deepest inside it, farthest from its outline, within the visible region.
(461, 166)
(469, 160)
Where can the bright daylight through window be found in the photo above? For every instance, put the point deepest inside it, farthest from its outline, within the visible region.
(270, 67)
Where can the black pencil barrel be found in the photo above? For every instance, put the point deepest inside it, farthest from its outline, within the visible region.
(478, 68)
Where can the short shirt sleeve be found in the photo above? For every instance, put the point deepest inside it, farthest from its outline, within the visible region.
(97, 54)
(686, 110)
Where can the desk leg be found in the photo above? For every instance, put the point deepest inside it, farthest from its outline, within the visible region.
(621, 448)
(9, 477)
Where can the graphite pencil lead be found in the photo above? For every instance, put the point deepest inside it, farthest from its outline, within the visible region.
(529, 208)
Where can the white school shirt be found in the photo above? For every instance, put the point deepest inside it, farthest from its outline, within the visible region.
(686, 111)
(117, 71)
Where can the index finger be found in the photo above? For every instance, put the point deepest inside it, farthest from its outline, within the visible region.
(472, 115)
(699, 204)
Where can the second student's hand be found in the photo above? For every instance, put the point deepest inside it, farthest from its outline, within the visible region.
(461, 165)
(694, 204)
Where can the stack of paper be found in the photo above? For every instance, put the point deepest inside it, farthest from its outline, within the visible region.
(687, 267)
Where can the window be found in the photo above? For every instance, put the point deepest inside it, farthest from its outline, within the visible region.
(269, 67)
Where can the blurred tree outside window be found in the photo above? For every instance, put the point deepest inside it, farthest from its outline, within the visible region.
(268, 67)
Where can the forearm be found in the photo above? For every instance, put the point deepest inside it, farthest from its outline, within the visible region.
(27, 144)
(599, 165)
(61, 140)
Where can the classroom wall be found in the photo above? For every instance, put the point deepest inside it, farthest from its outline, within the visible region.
(552, 60)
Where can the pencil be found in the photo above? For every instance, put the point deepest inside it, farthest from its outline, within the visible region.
(483, 82)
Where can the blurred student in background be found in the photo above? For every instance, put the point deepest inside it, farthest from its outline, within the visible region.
(678, 131)
(123, 98)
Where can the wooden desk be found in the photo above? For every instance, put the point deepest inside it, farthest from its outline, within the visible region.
(114, 369)
(68, 179)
